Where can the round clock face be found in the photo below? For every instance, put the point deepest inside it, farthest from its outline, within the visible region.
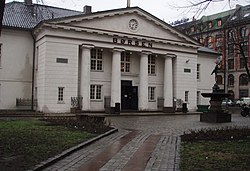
(133, 24)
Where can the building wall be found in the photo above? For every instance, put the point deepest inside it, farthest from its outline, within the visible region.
(185, 81)
(206, 81)
(16, 67)
(52, 75)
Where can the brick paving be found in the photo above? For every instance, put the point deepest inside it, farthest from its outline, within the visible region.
(147, 143)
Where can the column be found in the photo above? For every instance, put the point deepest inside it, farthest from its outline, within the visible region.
(168, 85)
(116, 77)
(143, 81)
(85, 76)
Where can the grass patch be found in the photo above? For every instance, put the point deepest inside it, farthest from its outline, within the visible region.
(25, 143)
(215, 154)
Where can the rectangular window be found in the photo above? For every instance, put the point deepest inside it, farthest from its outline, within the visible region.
(219, 22)
(60, 94)
(95, 92)
(244, 46)
(62, 60)
(230, 63)
(198, 98)
(186, 96)
(151, 64)
(198, 71)
(96, 59)
(210, 24)
(187, 70)
(231, 50)
(151, 93)
(242, 62)
(125, 62)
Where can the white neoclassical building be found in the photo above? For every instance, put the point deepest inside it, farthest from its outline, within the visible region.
(118, 59)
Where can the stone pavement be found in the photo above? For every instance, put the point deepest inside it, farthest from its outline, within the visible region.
(147, 143)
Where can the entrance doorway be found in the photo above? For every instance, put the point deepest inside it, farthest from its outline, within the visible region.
(129, 96)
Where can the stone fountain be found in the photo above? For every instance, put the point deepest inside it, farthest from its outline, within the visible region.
(215, 114)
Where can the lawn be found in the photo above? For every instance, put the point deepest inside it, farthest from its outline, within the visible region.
(25, 143)
(215, 155)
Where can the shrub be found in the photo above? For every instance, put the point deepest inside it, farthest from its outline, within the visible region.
(86, 123)
(226, 133)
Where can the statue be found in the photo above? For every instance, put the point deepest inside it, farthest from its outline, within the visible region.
(216, 69)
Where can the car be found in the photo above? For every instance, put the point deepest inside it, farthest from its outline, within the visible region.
(243, 101)
(227, 102)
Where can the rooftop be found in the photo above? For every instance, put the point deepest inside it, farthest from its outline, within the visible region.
(21, 15)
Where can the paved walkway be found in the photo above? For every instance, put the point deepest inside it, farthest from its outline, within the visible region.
(142, 143)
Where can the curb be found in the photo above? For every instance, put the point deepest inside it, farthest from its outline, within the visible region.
(69, 151)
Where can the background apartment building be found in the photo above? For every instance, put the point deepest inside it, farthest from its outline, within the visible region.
(228, 33)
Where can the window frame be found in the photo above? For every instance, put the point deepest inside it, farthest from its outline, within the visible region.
(198, 72)
(95, 61)
(95, 92)
(151, 64)
(186, 96)
(126, 62)
(243, 81)
(151, 94)
(230, 80)
(60, 95)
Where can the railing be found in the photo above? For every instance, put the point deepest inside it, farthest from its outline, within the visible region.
(76, 102)
(25, 102)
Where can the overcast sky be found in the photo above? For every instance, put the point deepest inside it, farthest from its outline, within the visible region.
(163, 9)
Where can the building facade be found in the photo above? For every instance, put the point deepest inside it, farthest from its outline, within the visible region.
(225, 32)
(124, 58)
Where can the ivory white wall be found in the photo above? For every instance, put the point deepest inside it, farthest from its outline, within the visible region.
(16, 67)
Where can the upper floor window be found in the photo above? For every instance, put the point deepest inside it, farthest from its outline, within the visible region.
(201, 40)
(151, 64)
(243, 32)
(231, 50)
(125, 61)
(219, 79)
(192, 29)
(210, 24)
(230, 63)
(96, 59)
(210, 41)
(95, 92)
(244, 46)
(230, 80)
(198, 71)
(231, 36)
(219, 22)
(243, 80)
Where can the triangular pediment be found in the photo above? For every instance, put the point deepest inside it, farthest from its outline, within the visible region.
(130, 21)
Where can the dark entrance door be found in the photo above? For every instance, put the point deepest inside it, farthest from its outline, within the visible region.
(129, 96)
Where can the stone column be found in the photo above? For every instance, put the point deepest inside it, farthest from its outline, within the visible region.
(116, 77)
(143, 81)
(168, 85)
(85, 76)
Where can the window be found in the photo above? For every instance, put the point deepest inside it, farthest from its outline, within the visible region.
(230, 63)
(96, 59)
(231, 50)
(243, 32)
(231, 36)
(60, 94)
(192, 29)
(125, 62)
(198, 98)
(186, 96)
(244, 46)
(230, 80)
(219, 42)
(198, 71)
(243, 93)
(151, 93)
(219, 79)
(242, 62)
(219, 22)
(151, 64)
(243, 80)
(210, 42)
(201, 40)
(210, 24)
(95, 92)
